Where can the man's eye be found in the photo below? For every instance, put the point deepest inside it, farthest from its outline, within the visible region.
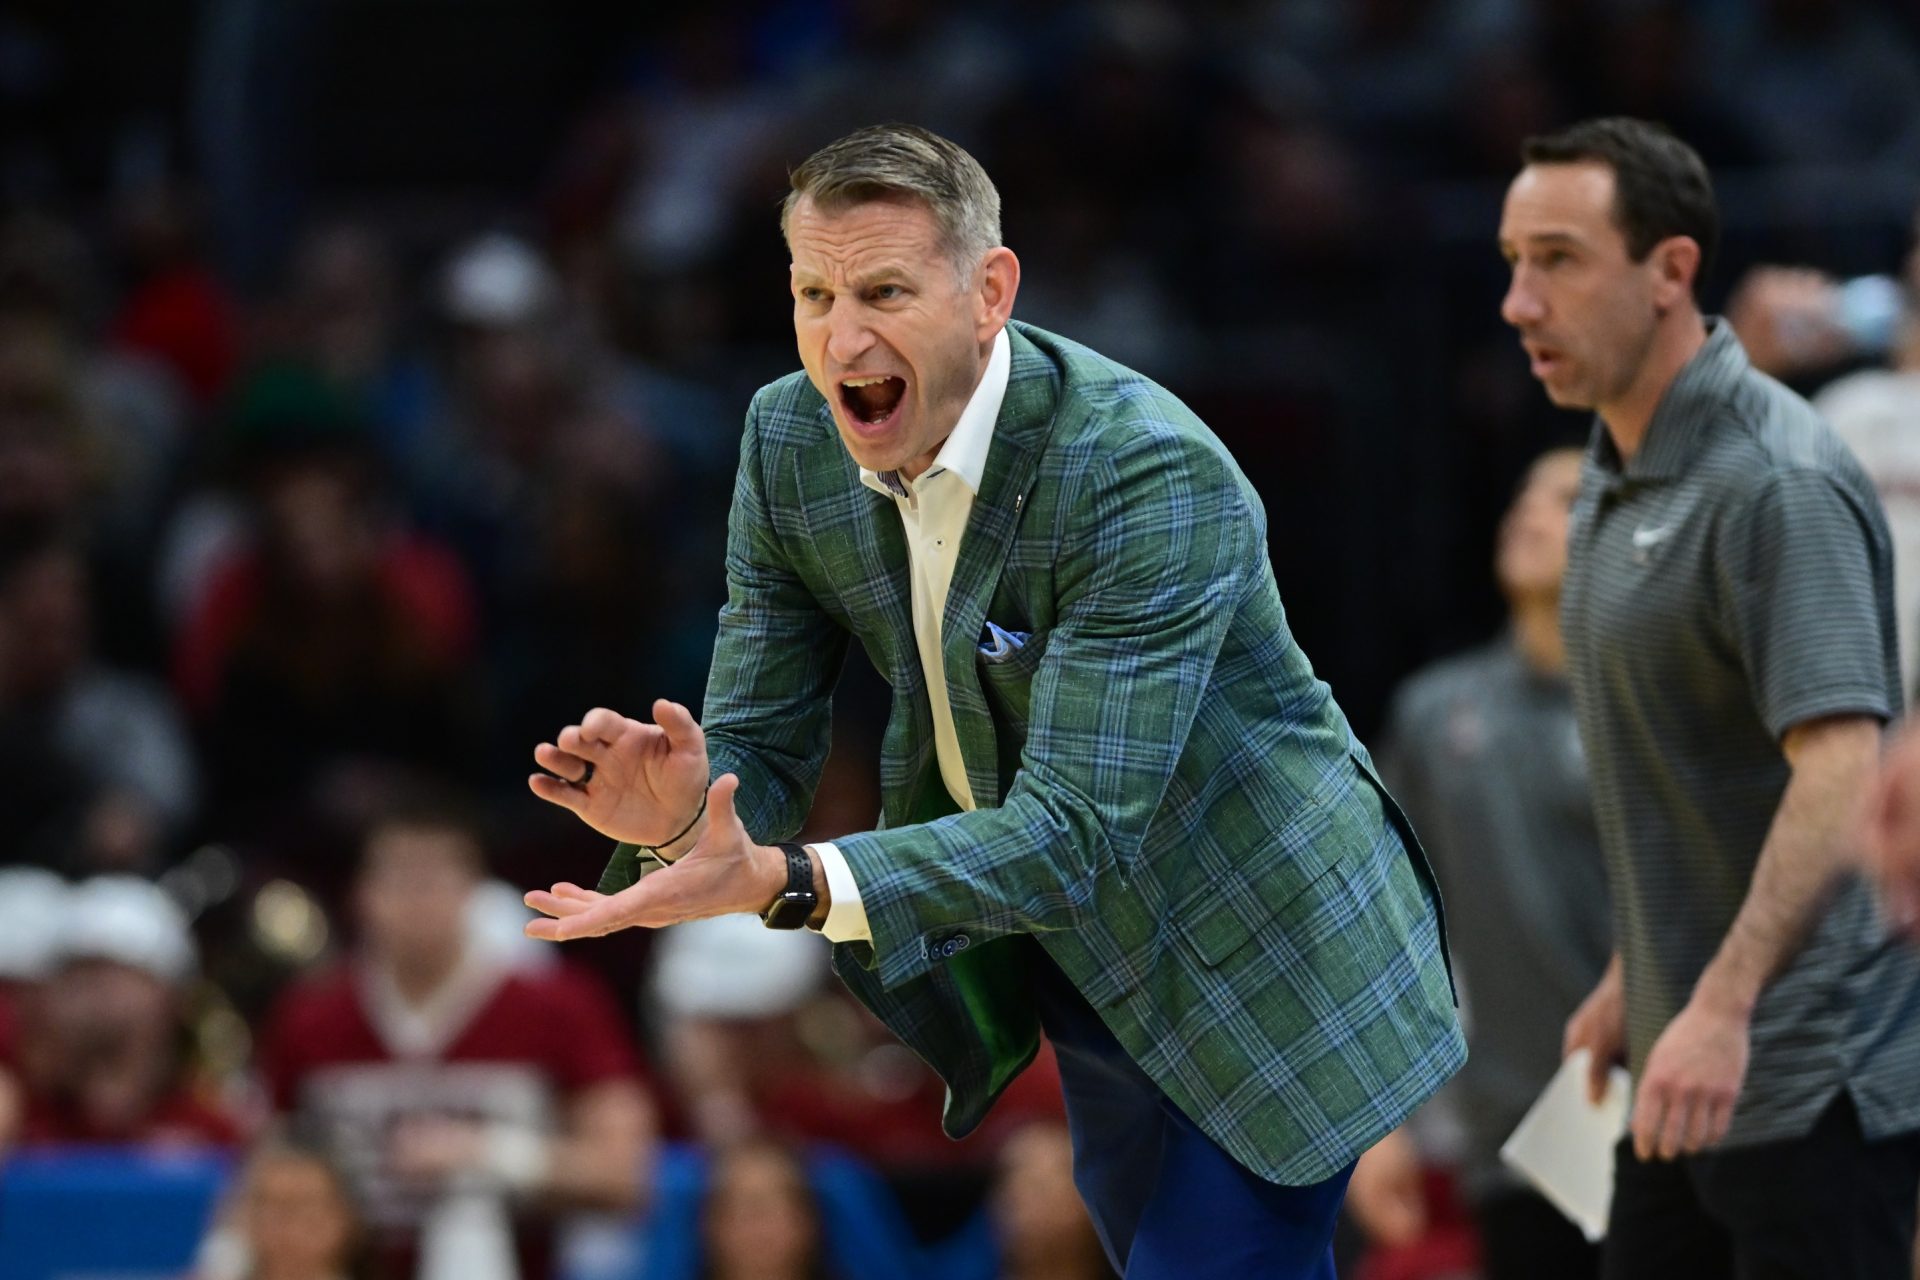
(1555, 258)
(887, 292)
(813, 294)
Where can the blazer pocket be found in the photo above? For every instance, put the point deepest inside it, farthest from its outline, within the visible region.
(1004, 654)
(1288, 882)
(1007, 661)
(1223, 921)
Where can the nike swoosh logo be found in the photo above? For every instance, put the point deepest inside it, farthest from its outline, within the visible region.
(1644, 538)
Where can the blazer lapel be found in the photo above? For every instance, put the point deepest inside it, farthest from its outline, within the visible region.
(1019, 435)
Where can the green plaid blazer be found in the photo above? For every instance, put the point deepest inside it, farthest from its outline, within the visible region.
(1172, 805)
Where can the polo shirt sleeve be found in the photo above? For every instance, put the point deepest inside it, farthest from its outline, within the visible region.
(1800, 584)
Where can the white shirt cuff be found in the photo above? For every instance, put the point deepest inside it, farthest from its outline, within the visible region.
(846, 914)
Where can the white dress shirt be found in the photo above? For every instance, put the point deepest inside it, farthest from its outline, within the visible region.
(933, 511)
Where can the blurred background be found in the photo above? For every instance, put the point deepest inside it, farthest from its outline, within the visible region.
(370, 378)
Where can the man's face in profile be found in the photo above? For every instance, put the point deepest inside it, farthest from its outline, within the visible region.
(1585, 310)
(889, 331)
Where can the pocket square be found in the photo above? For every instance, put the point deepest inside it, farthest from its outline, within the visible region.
(997, 644)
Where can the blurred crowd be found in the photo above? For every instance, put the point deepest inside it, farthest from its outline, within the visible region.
(369, 382)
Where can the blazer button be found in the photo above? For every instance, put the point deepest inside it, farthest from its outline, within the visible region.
(959, 942)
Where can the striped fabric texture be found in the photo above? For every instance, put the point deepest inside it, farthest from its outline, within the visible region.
(1172, 804)
(1733, 580)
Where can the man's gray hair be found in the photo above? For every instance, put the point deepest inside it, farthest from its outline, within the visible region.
(892, 161)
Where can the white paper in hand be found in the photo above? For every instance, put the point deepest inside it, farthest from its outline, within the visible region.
(1564, 1146)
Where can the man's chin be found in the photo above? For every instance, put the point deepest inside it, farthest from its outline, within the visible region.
(867, 453)
(877, 460)
(1567, 397)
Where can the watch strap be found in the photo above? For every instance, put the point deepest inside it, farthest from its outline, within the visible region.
(795, 904)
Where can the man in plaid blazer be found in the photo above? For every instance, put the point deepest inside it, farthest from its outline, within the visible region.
(1117, 805)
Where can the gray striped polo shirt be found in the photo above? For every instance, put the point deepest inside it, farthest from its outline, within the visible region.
(1732, 580)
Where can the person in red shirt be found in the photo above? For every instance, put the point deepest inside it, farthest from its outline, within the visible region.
(457, 1084)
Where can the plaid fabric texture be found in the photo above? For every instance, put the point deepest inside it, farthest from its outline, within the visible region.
(1172, 804)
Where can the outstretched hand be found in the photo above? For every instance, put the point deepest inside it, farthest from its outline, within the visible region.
(633, 781)
(725, 872)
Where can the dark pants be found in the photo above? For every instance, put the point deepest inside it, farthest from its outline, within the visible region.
(1830, 1204)
(1523, 1237)
(1166, 1201)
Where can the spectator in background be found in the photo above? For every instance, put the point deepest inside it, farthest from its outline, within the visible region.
(514, 386)
(292, 1218)
(345, 315)
(49, 462)
(1795, 322)
(729, 995)
(545, 477)
(102, 1050)
(452, 1084)
(545, 473)
(569, 629)
(1485, 753)
(96, 770)
(174, 309)
(31, 915)
(1040, 1226)
(125, 411)
(761, 1220)
(330, 631)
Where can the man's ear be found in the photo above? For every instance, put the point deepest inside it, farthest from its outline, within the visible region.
(999, 282)
(1676, 262)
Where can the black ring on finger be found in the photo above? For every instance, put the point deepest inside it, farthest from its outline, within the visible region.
(585, 777)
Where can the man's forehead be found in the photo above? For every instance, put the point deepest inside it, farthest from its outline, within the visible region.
(898, 233)
(1568, 201)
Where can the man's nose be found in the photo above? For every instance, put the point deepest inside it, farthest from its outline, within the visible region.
(848, 337)
(1521, 306)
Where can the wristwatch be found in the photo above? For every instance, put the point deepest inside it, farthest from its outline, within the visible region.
(796, 903)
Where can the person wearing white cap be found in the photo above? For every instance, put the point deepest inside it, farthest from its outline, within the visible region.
(32, 902)
(726, 990)
(498, 281)
(101, 1050)
(31, 899)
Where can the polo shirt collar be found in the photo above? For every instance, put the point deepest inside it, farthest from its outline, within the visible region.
(965, 450)
(1685, 413)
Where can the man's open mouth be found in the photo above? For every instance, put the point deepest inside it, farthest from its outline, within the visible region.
(872, 400)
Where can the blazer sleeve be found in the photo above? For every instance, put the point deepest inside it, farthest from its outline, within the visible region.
(1161, 545)
(776, 658)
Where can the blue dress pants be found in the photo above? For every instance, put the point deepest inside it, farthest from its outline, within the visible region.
(1166, 1201)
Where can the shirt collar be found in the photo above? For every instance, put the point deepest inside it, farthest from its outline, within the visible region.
(965, 450)
(1685, 413)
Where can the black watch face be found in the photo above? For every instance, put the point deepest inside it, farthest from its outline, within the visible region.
(790, 910)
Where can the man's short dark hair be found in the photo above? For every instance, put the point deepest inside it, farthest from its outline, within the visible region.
(1660, 184)
(429, 804)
